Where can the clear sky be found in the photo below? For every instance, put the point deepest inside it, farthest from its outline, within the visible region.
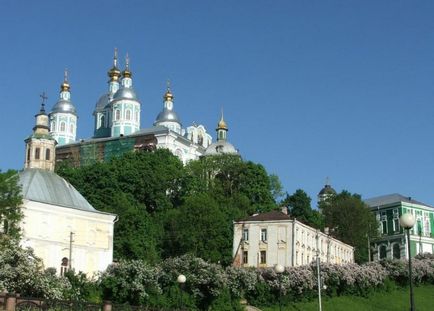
(310, 89)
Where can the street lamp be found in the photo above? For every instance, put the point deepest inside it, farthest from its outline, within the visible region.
(407, 222)
(318, 271)
(181, 280)
(279, 269)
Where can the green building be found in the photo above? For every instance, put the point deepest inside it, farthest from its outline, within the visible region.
(392, 242)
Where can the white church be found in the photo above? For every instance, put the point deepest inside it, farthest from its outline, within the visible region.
(63, 229)
(117, 127)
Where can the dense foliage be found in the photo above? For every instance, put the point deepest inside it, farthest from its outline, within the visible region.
(166, 209)
(208, 286)
(10, 212)
(351, 221)
(299, 206)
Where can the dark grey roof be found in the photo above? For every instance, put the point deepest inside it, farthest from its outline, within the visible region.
(65, 106)
(269, 216)
(391, 199)
(327, 190)
(47, 187)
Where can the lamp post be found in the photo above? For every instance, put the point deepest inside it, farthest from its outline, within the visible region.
(181, 280)
(318, 271)
(407, 222)
(279, 270)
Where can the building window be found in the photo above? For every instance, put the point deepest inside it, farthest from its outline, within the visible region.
(47, 154)
(53, 126)
(71, 128)
(383, 252)
(37, 153)
(396, 224)
(263, 235)
(117, 114)
(136, 116)
(62, 126)
(245, 234)
(245, 257)
(396, 251)
(28, 154)
(383, 223)
(128, 115)
(263, 257)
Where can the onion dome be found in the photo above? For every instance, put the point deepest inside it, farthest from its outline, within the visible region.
(127, 73)
(114, 73)
(222, 124)
(64, 104)
(125, 93)
(167, 114)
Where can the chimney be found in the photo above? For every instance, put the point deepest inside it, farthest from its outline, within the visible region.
(284, 210)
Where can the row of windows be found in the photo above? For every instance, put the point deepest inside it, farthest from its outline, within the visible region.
(128, 115)
(422, 227)
(38, 154)
(263, 235)
(262, 257)
(62, 127)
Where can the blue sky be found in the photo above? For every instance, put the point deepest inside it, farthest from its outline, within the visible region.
(310, 89)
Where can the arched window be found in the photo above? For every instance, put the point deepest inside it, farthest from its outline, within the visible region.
(396, 251)
(136, 116)
(28, 154)
(71, 128)
(62, 126)
(53, 126)
(117, 114)
(383, 252)
(101, 121)
(128, 115)
(47, 154)
(37, 153)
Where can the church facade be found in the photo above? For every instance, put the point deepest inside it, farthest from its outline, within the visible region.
(58, 223)
(117, 127)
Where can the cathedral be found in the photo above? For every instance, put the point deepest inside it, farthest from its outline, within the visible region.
(117, 126)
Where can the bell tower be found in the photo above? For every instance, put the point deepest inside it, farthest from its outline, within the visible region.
(40, 146)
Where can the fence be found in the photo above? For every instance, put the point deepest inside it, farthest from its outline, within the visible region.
(12, 302)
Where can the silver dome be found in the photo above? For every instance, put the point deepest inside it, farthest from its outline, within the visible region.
(221, 147)
(167, 115)
(102, 103)
(125, 93)
(64, 106)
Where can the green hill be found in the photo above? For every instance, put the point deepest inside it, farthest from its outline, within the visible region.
(395, 300)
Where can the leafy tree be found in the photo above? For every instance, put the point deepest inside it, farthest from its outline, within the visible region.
(350, 221)
(299, 207)
(276, 187)
(10, 202)
(202, 229)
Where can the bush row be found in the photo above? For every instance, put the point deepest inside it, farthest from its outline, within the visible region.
(208, 285)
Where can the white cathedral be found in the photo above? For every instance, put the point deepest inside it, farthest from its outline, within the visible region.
(117, 125)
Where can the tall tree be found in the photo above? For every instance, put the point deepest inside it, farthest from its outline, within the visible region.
(299, 207)
(350, 221)
(10, 210)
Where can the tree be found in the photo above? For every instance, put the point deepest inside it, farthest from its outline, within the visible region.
(10, 210)
(350, 221)
(299, 207)
(203, 230)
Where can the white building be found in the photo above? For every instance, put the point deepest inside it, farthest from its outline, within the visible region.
(264, 240)
(64, 230)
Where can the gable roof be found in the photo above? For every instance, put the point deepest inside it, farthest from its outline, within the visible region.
(47, 187)
(390, 199)
(269, 216)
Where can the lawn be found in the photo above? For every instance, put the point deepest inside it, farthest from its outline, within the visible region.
(396, 300)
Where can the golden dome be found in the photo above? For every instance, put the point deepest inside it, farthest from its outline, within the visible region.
(222, 124)
(114, 73)
(168, 96)
(65, 87)
(127, 73)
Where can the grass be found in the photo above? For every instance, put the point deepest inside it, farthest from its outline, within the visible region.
(395, 300)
